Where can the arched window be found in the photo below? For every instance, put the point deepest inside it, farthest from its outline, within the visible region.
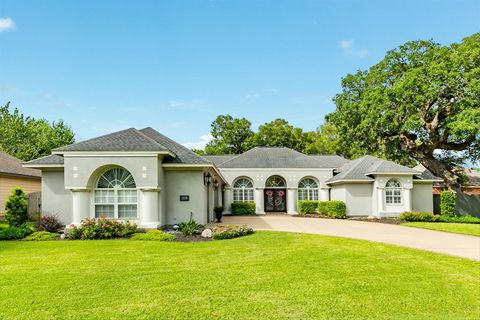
(243, 190)
(116, 195)
(275, 182)
(393, 192)
(308, 189)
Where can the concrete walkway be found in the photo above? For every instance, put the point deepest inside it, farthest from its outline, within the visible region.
(436, 241)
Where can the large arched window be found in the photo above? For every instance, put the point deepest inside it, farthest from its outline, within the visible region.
(275, 182)
(243, 190)
(116, 195)
(308, 189)
(393, 192)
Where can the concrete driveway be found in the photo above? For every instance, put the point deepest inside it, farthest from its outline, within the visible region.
(436, 241)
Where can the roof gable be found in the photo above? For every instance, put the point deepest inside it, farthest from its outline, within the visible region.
(277, 157)
(125, 140)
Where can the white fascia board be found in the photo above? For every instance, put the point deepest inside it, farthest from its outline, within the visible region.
(39, 166)
(277, 169)
(349, 181)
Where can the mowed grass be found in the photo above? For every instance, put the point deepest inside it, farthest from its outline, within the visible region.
(462, 228)
(268, 275)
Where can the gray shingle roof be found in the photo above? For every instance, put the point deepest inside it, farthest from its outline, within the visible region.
(126, 140)
(219, 159)
(268, 157)
(183, 154)
(360, 169)
(12, 165)
(48, 160)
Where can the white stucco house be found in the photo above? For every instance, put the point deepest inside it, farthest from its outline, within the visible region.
(145, 177)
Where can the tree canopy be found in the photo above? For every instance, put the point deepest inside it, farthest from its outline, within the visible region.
(422, 102)
(28, 138)
(230, 135)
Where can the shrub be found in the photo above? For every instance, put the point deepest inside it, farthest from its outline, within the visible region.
(243, 207)
(230, 231)
(102, 228)
(16, 208)
(190, 227)
(460, 219)
(419, 216)
(447, 203)
(15, 233)
(333, 208)
(307, 206)
(49, 223)
(42, 236)
(154, 235)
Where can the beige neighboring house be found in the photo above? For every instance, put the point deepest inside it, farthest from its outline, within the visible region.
(12, 175)
(145, 177)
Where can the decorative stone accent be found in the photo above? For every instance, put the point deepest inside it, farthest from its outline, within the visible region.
(62, 236)
(207, 233)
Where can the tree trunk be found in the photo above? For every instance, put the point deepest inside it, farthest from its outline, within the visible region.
(439, 169)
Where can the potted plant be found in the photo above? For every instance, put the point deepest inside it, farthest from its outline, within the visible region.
(218, 213)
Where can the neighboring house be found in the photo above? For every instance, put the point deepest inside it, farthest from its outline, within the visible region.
(471, 187)
(12, 175)
(143, 176)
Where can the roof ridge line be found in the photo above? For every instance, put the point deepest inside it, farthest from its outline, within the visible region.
(151, 140)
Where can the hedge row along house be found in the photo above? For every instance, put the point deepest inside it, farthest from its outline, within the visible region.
(145, 177)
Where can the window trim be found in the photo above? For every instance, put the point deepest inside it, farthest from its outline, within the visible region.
(243, 194)
(392, 196)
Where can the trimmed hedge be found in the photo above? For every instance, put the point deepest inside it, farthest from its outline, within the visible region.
(243, 208)
(417, 216)
(447, 203)
(307, 206)
(333, 208)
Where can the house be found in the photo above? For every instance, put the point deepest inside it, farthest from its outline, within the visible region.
(13, 174)
(143, 176)
(471, 187)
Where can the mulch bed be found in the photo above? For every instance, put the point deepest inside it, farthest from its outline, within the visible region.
(194, 238)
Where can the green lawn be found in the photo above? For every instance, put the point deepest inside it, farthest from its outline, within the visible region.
(463, 228)
(267, 275)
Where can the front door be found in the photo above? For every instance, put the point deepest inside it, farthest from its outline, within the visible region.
(275, 200)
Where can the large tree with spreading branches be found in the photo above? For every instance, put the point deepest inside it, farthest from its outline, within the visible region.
(421, 102)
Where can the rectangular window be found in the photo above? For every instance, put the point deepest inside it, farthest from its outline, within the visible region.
(127, 211)
(243, 195)
(107, 211)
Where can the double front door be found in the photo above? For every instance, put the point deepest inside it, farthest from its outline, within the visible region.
(275, 200)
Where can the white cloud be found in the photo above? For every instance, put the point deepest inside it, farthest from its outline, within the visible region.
(349, 48)
(345, 44)
(7, 24)
(204, 139)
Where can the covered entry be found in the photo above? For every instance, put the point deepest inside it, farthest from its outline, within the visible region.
(275, 194)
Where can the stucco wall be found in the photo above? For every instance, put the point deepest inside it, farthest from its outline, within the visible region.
(7, 183)
(359, 199)
(338, 193)
(185, 183)
(55, 198)
(81, 172)
(422, 197)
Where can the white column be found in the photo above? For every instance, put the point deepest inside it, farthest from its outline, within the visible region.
(292, 201)
(380, 209)
(80, 205)
(324, 194)
(260, 208)
(149, 217)
(408, 199)
(228, 200)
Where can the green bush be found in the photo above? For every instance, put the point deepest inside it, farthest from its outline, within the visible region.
(102, 228)
(243, 207)
(190, 227)
(15, 233)
(42, 236)
(16, 208)
(307, 206)
(333, 208)
(230, 231)
(447, 203)
(49, 223)
(460, 219)
(153, 235)
(419, 216)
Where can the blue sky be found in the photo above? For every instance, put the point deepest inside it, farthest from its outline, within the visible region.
(175, 65)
